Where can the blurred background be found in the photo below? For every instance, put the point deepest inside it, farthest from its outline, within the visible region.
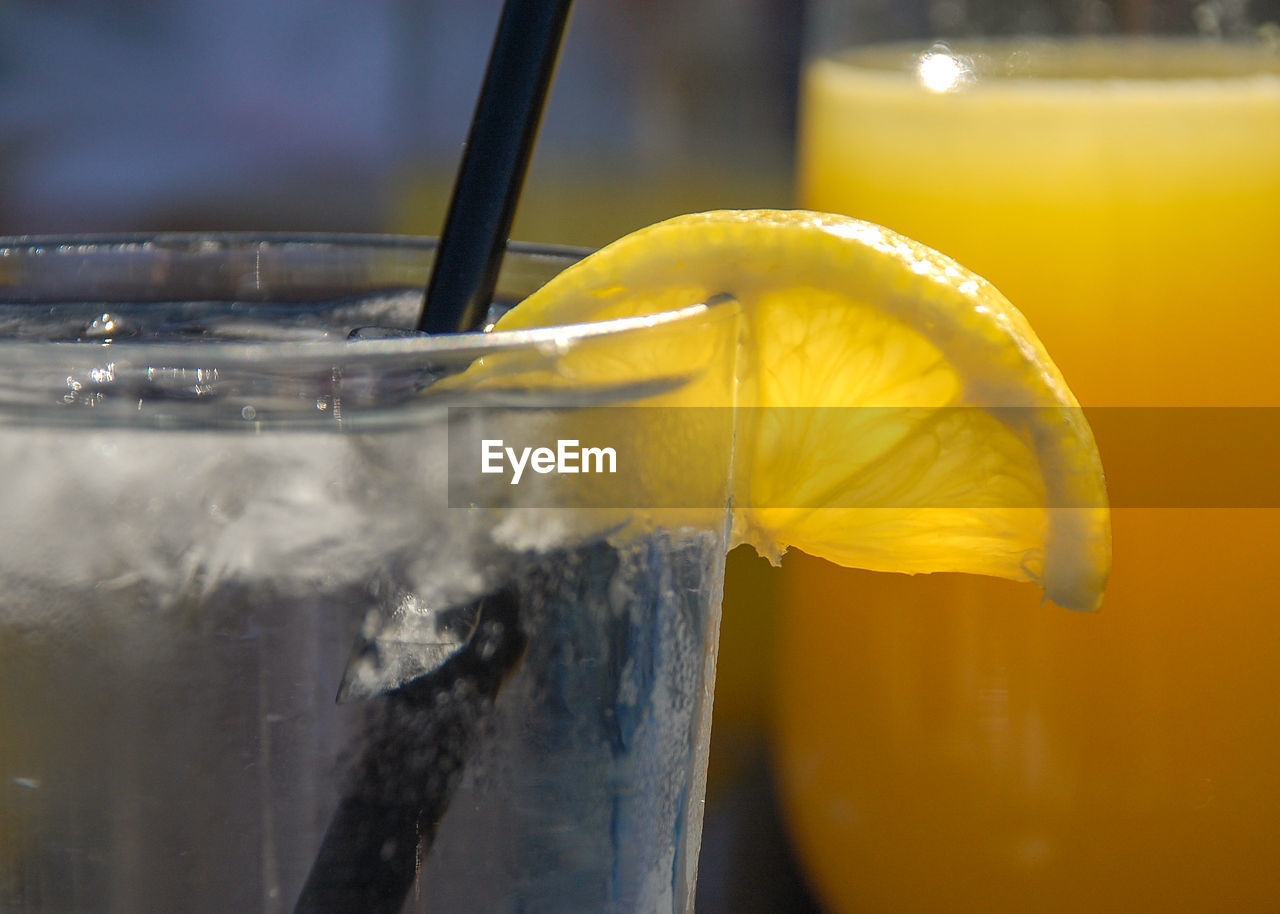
(336, 114)
(982, 752)
(349, 115)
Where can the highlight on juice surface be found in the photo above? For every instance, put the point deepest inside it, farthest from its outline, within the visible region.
(1113, 170)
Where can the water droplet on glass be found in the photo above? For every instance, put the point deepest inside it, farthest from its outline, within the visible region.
(107, 326)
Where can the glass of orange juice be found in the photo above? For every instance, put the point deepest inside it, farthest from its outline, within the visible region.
(949, 744)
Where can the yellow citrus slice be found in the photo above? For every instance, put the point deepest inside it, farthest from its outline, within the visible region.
(896, 412)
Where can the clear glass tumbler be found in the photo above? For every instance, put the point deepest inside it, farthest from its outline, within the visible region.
(265, 646)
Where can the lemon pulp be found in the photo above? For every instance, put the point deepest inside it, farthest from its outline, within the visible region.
(898, 413)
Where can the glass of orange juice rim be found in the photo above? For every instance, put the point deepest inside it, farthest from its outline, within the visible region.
(951, 743)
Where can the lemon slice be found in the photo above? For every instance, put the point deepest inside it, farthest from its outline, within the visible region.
(896, 412)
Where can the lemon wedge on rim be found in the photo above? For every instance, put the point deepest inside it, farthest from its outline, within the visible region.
(897, 412)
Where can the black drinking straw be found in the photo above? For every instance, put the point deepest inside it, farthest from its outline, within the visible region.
(415, 752)
(494, 164)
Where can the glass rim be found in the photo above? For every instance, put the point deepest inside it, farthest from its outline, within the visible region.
(286, 372)
(482, 341)
(1039, 59)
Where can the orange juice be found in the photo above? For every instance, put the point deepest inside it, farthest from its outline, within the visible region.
(949, 744)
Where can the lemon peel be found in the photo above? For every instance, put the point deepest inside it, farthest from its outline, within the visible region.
(901, 413)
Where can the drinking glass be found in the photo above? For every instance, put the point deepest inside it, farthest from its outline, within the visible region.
(269, 641)
(948, 744)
